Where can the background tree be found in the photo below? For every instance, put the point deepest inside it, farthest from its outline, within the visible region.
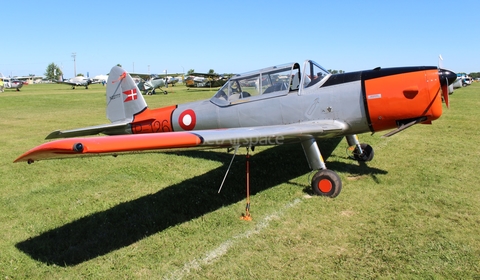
(53, 72)
(475, 75)
(211, 72)
(191, 71)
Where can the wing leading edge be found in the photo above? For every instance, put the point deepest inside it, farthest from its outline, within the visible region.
(246, 136)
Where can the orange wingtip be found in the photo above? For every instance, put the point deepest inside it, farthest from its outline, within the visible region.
(76, 147)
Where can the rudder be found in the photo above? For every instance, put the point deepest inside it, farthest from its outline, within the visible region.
(124, 99)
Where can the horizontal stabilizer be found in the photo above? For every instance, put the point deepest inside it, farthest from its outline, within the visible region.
(109, 129)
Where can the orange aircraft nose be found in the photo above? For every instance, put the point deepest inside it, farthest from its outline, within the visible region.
(398, 96)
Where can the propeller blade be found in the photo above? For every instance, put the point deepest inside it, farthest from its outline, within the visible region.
(445, 95)
(446, 77)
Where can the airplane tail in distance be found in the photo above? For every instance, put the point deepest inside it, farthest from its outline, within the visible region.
(124, 99)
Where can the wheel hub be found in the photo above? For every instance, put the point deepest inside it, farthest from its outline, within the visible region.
(324, 185)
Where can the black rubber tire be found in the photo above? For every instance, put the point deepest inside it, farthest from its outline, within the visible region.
(326, 183)
(367, 155)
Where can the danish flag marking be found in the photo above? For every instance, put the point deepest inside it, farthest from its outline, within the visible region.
(131, 95)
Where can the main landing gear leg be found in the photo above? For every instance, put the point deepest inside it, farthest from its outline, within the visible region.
(325, 182)
(357, 151)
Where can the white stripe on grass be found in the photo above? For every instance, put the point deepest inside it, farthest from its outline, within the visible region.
(223, 248)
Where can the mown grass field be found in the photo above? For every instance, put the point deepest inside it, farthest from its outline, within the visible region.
(413, 212)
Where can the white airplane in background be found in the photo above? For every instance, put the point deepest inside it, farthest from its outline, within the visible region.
(78, 81)
(11, 83)
(150, 82)
(148, 86)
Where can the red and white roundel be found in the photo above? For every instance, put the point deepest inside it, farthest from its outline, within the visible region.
(187, 119)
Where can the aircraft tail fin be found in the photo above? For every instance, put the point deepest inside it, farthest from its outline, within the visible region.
(124, 99)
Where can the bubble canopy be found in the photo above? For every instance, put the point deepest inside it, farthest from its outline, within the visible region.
(269, 82)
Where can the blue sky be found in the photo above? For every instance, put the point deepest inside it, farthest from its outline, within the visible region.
(236, 36)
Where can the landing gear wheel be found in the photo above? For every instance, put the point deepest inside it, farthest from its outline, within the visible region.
(165, 92)
(367, 154)
(326, 183)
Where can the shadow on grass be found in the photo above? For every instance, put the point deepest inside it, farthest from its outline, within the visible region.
(103, 232)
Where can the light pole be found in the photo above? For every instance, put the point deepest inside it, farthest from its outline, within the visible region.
(166, 79)
(74, 55)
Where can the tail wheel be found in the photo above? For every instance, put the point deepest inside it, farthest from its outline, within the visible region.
(367, 154)
(326, 183)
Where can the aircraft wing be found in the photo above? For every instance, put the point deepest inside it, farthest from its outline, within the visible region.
(170, 75)
(144, 76)
(204, 75)
(245, 136)
(67, 83)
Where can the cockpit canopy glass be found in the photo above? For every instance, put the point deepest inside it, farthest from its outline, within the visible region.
(272, 80)
(314, 74)
(269, 82)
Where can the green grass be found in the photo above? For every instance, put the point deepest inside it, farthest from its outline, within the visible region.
(413, 212)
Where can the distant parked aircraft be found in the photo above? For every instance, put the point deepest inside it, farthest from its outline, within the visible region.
(205, 80)
(150, 82)
(11, 83)
(78, 81)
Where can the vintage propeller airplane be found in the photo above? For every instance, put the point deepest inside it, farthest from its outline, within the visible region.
(205, 80)
(78, 81)
(276, 105)
(10, 83)
(150, 82)
(149, 86)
